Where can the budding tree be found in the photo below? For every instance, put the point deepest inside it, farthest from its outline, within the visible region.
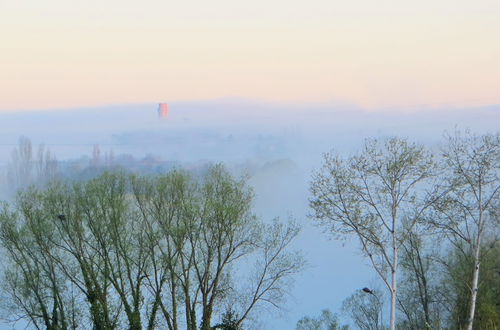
(467, 209)
(375, 196)
(122, 251)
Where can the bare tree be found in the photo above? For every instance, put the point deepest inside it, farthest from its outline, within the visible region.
(96, 156)
(274, 267)
(467, 208)
(377, 197)
(46, 166)
(25, 169)
(21, 165)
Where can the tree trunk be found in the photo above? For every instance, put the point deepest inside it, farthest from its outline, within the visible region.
(475, 274)
(394, 267)
(207, 317)
(394, 289)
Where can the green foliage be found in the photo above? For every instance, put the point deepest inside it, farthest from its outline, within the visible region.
(375, 196)
(395, 200)
(229, 321)
(123, 251)
(488, 302)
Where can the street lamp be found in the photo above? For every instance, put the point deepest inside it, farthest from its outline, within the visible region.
(369, 291)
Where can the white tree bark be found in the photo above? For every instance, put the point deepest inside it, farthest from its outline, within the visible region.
(475, 274)
(394, 289)
(470, 194)
(394, 268)
(376, 196)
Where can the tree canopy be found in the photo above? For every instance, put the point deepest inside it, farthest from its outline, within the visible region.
(169, 251)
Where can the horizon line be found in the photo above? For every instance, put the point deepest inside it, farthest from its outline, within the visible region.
(260, 102)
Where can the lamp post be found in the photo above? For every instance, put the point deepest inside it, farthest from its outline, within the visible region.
(369, 291)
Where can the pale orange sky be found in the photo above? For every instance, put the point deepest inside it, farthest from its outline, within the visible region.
(392, 53)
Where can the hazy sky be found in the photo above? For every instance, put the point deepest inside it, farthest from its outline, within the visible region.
(396, 53)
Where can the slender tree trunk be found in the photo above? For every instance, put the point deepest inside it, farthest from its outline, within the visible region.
(421, 278)
(475, 274)
(394, 271)
(394, 289)
(424, 294)
(154, 311)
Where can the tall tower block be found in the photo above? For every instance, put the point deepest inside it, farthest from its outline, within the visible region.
(163, 110)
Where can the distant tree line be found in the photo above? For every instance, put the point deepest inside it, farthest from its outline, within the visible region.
(119, 251)
(39, 166)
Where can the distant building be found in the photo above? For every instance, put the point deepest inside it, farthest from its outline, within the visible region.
(163, 110)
